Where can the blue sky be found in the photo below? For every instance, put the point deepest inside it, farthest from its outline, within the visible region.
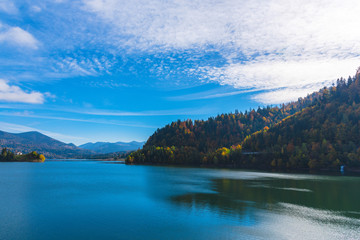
(112, 70)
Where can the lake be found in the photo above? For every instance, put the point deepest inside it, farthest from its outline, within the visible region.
(104, 200)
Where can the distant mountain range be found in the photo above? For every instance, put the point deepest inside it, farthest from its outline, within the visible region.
(52, 148)
(106, 147)
(35, 141)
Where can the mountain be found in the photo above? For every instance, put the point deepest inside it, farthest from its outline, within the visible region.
(321, 131)
(35, 141)
(106, 147)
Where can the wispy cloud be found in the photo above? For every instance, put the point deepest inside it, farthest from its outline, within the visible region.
(84, 66)
(8, 7)
(108, 84)
(27, 114)
(12, 93)
(35, 9)
(172, 112)
(114, 113)
(283, 95)
(210, 95)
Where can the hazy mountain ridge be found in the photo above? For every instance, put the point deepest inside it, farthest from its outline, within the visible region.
(52, 148)
(107, 147)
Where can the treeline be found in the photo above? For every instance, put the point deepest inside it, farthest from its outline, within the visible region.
(225, 130)
(316, 132)
(184, 155)
(109, 156)
(8, 156)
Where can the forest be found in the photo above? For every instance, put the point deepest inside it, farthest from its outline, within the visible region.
(8, 156)
(320, 131)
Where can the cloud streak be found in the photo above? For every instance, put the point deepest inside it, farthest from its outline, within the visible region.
(115, 113)
(116, 123)
(210, 95)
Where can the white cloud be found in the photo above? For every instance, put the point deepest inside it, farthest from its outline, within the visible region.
(267, 45)
(18, 37)
(296, 78)
(11, 93)
(250, 26)
(166, 24)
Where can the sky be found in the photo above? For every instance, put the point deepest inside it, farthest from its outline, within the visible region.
(111, 70)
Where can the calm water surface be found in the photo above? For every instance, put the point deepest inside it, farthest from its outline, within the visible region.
(97, 200)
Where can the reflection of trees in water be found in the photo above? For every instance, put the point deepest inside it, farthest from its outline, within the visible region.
(221, 205)
(240, 198)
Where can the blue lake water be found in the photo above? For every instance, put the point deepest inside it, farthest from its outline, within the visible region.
(99, 200)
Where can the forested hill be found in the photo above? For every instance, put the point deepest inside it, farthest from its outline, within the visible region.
(225, 130)
(324, 135)
(319, 131)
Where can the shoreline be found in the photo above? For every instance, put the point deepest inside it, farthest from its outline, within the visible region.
(347, 172)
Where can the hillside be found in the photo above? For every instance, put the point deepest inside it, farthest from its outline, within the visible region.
(319, 131)
(107, 147)
(325, 135)
(35, 141)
